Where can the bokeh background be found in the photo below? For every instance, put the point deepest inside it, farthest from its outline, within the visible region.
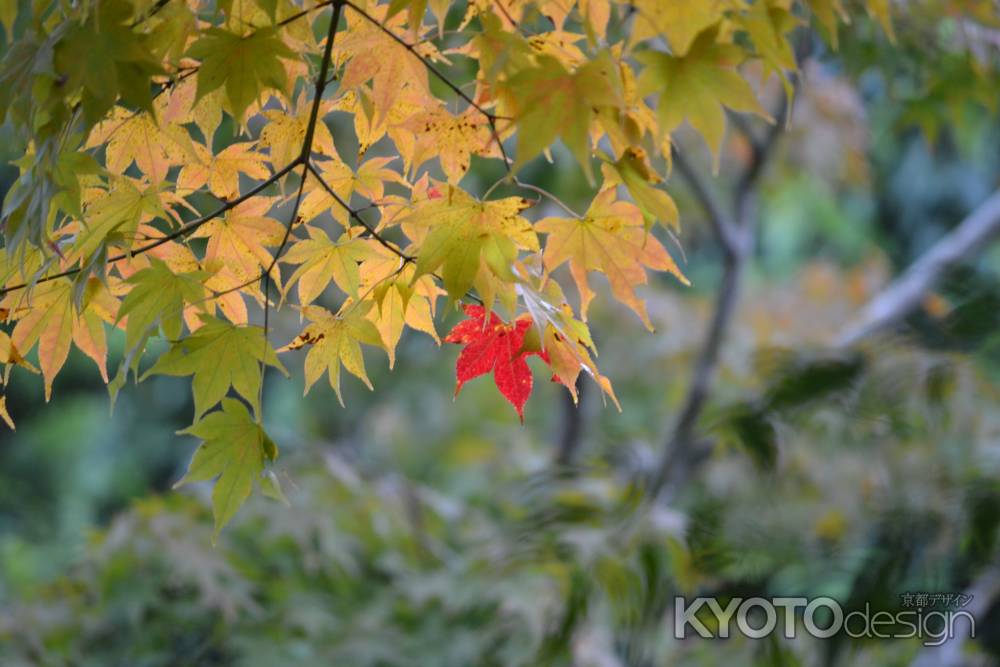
(429, 531)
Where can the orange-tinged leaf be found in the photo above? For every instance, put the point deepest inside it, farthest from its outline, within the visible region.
(237, 250)
(453, 139)
(6, 415)
(611, 238)
(222, 171)
(51, 319)
(137, 137)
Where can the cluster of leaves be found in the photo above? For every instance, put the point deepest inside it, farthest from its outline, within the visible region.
(178, 156)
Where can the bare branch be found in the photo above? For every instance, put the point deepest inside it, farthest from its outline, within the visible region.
(736, 236)
(723, 227)
(906, 292)
(678, 455)
(303, 158)
(571, 426)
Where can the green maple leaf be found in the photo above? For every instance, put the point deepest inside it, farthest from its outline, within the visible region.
(234, 448)
(552, 102)
(219, 355)
(697, 87)
(159, 294)
(114, 218)
(461, 233)
(106, 58)
(246, 65)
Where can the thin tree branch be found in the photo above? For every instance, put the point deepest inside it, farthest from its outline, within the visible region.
(303, 158)
(571, 427)
(355, 215)
(548, 195)
(722, 225)
(153, 11)
(182, 231)
(679, 455)
(906, 292)
(305, 12)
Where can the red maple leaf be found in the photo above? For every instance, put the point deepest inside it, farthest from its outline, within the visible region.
(494, 345)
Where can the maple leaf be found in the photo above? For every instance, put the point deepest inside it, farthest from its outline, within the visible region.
(566, 341)
(137, 137)
(234, 449)
(284, 134)
(453, 139)
(368, 181)
(219, 355)
(829, 13)
(632, 171)
(158, 294)
(9, 354)
(610, 238)
(180, 105)
(335, 341)
(697, 87)
(680, 21)
(400, 303)
(222, 171)
(237, 252)
(459, 233)
(494, 346)
(374, 56)
(245, 64)
(102, 56)
(113, 218)
(54, 322)
(321, 260)
(550, 101)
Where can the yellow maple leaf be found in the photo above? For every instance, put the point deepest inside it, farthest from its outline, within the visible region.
(398, 304)
(453, 139)
(137, 137)
(284, 134)
(368, 181)
(51, 319)
(321, 260)
(221, 172)
(335, 341)
(680, 21)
